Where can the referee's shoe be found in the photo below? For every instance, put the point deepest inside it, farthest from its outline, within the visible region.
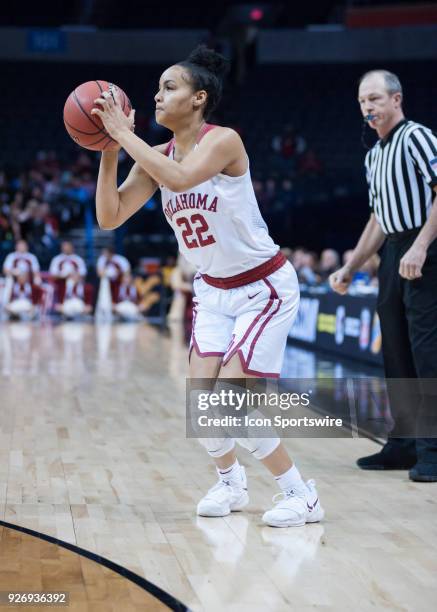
(400, 454)
(396, 454)
(423, 472)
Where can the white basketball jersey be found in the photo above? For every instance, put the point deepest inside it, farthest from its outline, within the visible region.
(23, 262)
(114, 267)
(218, 225)
(63, 265)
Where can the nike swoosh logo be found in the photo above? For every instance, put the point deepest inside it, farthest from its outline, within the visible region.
(254, 295)
(311, 508)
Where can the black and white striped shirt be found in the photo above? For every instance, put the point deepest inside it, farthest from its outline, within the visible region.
(401, 171)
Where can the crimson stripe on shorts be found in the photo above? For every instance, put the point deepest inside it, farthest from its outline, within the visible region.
(196, 346)
(247, 370)
(272, 289)
(244, 363)
(249, 329)
(260, 331)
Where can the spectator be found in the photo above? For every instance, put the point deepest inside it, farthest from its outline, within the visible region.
(310, 164)
(297, 257)
(43, 233)
(6, 233)
(305, 263)
(289, 144)
(25, 218)
(329, 263)
(64, 266)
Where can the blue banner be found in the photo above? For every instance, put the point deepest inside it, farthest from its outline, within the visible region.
(46, 41)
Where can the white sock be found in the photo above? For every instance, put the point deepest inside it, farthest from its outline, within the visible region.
(232, 474)
(291, 479)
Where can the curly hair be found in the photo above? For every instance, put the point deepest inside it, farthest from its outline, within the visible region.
(206, 69)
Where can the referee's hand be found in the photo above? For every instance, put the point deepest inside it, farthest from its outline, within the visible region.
(340, 280)
(411, 264)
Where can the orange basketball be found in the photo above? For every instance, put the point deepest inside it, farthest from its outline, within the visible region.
(85, 129)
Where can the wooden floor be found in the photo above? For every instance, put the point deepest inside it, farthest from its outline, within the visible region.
(31, 565)
(93, 452)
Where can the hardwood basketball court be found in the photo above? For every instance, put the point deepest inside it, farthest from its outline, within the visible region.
(93, 453)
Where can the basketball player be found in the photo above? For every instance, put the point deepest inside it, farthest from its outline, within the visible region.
(110, 269)
(24, 297)
(246, 293)
(65, 265)
(74, 303)
(112, 266)
(21, 269)
(20, 262)
(126, 303)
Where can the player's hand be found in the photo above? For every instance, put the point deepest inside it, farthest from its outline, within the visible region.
(110, 112)
(340, 280)
(411, 264)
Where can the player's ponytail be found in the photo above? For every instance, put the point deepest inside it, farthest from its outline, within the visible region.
(207, 69)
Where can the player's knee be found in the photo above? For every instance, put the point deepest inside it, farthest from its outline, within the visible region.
(217, 447)
(199, 405)
(260, 448)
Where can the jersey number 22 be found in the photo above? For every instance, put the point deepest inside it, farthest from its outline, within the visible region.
(196, 224)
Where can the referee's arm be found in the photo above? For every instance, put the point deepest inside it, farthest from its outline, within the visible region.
(369, 243)
(411, 264)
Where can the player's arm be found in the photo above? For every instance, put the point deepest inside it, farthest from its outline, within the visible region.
(115, 205)
(369, 243)
(220, 149)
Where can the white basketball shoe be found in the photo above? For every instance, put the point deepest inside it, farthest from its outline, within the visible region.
(224, 497)
(295, 507)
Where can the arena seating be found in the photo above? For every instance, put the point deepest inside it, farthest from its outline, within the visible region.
(318, 100)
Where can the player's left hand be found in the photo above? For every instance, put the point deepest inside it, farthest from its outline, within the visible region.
(110, 112)
(412, 262)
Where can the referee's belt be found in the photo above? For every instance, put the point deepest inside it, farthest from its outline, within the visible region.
(250, 276)
(402, 235)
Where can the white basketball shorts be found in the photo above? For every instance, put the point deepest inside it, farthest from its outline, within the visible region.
(251, 321)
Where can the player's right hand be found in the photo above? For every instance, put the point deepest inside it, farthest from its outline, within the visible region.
(340, 280)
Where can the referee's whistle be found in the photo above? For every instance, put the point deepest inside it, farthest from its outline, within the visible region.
(369, 117)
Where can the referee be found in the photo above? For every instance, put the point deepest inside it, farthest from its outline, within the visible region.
(401, 172)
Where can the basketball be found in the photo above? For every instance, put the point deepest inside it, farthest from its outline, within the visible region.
(85, 129)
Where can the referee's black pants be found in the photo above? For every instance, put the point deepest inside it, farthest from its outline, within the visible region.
(408, 315)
